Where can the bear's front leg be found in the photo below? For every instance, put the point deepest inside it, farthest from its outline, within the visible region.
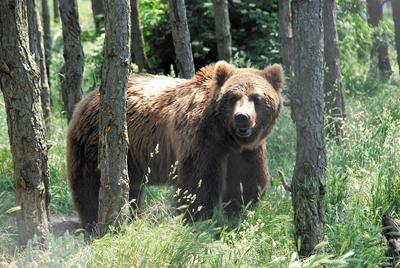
(200, 185)
(246, 180)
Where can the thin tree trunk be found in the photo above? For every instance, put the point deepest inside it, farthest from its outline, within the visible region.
(333, 85)
(20, 84)
(137, 41)
(286, 38)
(98, 15)
(113, 137)
(37, 48)
(308, 184)
(55, 11)
(73, 56)
(396, 19)
(181, 38)
(375, 15)
(223, 29)
(47, 34)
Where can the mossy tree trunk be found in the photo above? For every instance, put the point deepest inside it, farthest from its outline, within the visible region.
(380, 48)
(36, 45)
(113, 137)
(137, 41)
(223, 29)
(181, 38)
(47, 34)
(286, 38)
(396, 19)
(306, 98)
(20, 84)
(333, 84)
(98, 15)
(72, 83)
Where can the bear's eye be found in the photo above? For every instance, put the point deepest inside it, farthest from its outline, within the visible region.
(233, 99)
(256, 99)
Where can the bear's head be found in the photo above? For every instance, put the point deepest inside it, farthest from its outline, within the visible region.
(249, 101)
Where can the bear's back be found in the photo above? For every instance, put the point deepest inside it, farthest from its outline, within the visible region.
(157, 106)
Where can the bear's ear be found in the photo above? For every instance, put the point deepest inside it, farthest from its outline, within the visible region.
(275, 76)
(222, 71)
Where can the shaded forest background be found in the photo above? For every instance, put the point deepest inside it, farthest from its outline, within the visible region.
(363, 172)
(254, 31)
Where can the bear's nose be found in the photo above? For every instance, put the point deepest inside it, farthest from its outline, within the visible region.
(242, 120)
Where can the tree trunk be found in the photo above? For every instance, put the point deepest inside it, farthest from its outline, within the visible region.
(380, 48)
(137, 41)
(36, 45)
(20, 84)
(333, 85)
(55, 11)
(308, 184)
(286, 38)
(73, 56)
(391, 231)
(396, 19)
(98, 15)
(47, 34)
(113, 137)
(181, 38)
(223, 29)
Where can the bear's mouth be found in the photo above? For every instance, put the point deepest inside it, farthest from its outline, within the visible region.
(244, 132)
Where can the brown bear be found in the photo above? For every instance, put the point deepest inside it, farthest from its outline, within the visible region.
(212, 127)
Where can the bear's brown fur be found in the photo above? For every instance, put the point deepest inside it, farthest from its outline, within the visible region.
(212, 126)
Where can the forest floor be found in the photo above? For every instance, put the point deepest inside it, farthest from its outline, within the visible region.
(363, 182)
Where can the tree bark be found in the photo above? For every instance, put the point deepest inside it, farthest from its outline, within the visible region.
(286, 38)
(223, 29)
(333, 84)
(307, 95)
(47, 34)
(137, 40)
(20, 84)
(113, 137)
(98, 15)
(380, 48)
(391, 231)
(73, 56)
(181, 38)
(36, 45)
(55, 11)
(396, 19)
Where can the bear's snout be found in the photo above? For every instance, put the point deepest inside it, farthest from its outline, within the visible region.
(243, 125)
(242, 120)
(244, 114)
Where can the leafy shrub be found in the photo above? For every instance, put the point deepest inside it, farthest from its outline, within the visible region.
(93, 47)
(357, 40)
(254, 30)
